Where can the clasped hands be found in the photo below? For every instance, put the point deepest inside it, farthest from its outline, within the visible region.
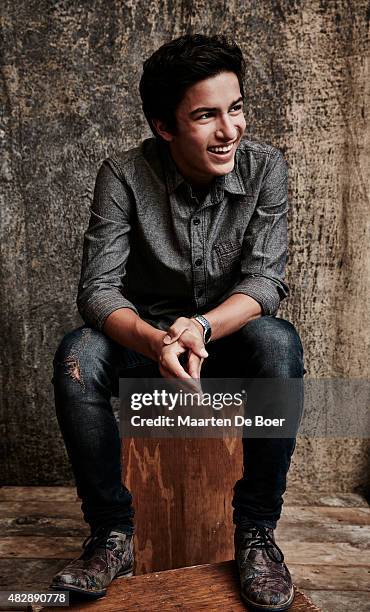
(184, 337)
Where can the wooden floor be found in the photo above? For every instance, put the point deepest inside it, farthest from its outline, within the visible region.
(200, 588)
(325, 538)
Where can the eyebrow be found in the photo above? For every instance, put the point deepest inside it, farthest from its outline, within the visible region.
(204, 109)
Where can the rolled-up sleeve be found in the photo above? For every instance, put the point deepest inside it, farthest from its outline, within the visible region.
(106, 249)
(265, 241)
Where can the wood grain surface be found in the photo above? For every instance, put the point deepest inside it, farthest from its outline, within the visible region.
(207, 587)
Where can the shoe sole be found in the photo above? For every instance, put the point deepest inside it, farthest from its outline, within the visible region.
(90, 594)
(78, 591)
(268, 608)
(127, 574)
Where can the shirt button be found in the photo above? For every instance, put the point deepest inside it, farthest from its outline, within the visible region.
(196, 221)
(198, 262)
(200, 293)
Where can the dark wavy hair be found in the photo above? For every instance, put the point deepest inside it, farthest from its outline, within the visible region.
(178, 65)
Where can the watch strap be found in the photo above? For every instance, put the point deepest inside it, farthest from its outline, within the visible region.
(207, 329)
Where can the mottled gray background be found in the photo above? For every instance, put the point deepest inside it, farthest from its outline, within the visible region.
(70, 75)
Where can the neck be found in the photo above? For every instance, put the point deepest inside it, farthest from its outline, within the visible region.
(196, 182)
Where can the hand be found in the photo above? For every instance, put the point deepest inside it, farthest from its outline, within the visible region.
(189, 334)
(193, 339)
(170, 366)
(189, 341)
(169, 361)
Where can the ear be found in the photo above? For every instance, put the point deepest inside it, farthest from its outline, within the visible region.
(160, 128)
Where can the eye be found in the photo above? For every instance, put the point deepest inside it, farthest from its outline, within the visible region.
(205, 116)
(236, 108)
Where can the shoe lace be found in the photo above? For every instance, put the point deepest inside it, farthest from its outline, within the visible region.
(97, 538)
(259, 537)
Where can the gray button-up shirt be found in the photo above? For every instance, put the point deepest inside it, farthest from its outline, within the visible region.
(152, 246)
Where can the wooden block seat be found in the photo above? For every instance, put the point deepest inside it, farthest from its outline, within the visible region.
(209, 587)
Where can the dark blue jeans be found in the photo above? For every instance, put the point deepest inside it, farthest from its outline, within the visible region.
(87, 368)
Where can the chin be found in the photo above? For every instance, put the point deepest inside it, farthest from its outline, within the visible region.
(221, 169)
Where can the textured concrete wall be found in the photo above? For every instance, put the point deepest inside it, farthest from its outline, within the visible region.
(70, 72)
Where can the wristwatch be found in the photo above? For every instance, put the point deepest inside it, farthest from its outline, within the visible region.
(207, 329)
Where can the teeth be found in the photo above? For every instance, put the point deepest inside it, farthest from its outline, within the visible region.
(221, 149)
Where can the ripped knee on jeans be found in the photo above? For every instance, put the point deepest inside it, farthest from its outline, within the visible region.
(73, 366)
(72, 361)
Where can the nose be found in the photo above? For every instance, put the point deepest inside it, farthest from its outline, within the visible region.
(226, 129)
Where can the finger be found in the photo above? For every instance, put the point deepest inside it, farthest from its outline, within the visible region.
(171, 363)
(189, 341)
(200, 366)
(186, 382)
(176, 330)
(179, 384)
(194, 365)
(193, 361)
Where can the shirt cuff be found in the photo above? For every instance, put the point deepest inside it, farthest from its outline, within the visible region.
(95, 314)
(267, 292)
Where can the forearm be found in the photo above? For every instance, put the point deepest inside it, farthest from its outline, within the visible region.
(128, 329)
(232, 314)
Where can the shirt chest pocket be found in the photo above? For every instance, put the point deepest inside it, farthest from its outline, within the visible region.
(228, 255)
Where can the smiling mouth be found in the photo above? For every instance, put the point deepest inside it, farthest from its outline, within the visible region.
(221, 150)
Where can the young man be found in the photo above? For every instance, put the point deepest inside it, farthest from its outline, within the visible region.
(186, 244)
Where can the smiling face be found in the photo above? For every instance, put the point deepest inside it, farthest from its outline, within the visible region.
(209, 125)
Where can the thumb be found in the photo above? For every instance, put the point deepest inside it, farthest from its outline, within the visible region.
(171, 336)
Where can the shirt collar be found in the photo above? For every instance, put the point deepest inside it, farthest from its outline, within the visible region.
(173, 177)
(230, 182)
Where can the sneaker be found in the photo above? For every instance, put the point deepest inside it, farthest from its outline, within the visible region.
(265, 580)
(107, 554)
